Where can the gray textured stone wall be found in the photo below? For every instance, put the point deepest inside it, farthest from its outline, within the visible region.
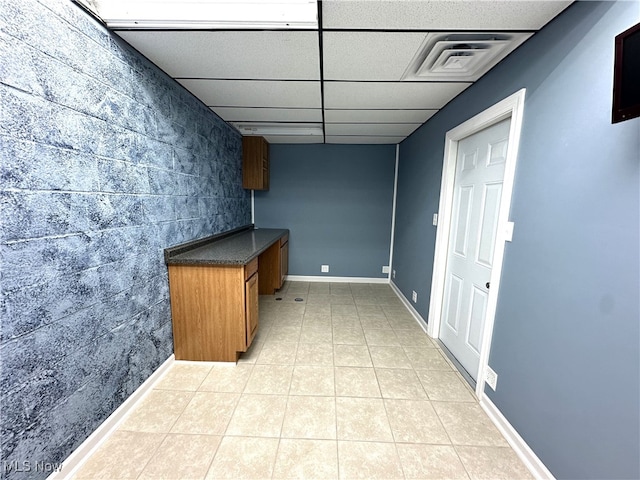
(104, 161)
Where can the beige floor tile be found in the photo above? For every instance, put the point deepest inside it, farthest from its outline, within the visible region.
(356, 382)
(252, 353)
(278, 353)
(369, 460)
(467, 424)
(365, 300)
(391, 301)
(291, 309)
(426, 358)
(415, 421)
(317, 321)
(258, 415)
(244, 458)
(381, 337)
(348, 336)
(123, 455)
(316, 334)
(298, 287)
(318, 298)
(389, 357)
(374, 323)
(319, 287)
(287, 322)
(413, 337)
(315, 353)
(184, 457)
(284, 334)
(208, 413)
(362, 419)
(270, 379)
(346, 322)
(184, 376)
(400, 383)
(444, 386)
(317, 311)
(489, 463)
(306, 459)
(224, 378)
(344, 310)
(157, 412)
(339, 300)
(351, 356)
(312, 380)
(430, 462)
(370, 311)
(310, 417)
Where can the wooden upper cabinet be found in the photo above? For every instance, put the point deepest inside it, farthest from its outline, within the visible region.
(255, 163)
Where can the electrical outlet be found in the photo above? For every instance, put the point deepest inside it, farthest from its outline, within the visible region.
(393, 274)
(435, 220)
(385, 269)
(324, 268)
(414, 297)
(491, 378)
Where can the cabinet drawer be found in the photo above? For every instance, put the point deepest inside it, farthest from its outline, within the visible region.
(250, 268)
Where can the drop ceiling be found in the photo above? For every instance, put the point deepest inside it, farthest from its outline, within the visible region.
(367, 71)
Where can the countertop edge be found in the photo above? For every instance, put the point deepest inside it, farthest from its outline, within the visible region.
(172, 253)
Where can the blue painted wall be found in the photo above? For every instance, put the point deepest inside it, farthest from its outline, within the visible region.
(337, 201)
(566, 338)
(104, 161)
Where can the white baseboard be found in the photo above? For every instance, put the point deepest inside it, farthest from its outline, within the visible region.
(304, 278)
(524, 452)
(77, 458)
(421, 321)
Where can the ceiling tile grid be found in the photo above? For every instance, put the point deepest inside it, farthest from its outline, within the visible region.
(370, 72)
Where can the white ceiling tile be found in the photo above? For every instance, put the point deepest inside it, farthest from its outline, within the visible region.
(385, 129)
(245, 93)
(377, 95)
(294, 138)
(440, 15)
(364, 139)
(368, 55)
(378, 116)
(231, 114)
(230, 54)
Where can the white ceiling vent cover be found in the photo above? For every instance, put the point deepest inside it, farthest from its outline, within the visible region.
(460, 56)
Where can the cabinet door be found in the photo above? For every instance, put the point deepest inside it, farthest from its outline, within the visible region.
(251, 305)
(255, 163)
(284, 262)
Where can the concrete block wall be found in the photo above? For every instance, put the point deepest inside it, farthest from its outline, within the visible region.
(104, 162)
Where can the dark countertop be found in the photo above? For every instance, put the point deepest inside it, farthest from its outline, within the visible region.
(236, 247)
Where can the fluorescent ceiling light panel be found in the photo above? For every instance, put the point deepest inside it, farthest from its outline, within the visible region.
(206, 14)
(265, 129)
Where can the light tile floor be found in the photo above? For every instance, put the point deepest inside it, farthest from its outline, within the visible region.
(344, 384)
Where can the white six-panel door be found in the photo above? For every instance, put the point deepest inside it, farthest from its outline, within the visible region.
(479, 175)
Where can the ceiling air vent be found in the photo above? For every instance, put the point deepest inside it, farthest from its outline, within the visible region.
(462, 57)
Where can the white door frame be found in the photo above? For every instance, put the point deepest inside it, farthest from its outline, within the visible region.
(511, 107)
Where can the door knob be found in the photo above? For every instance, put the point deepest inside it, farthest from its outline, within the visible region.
(488, 284)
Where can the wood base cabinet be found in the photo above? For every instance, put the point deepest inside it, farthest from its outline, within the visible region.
(214, 310)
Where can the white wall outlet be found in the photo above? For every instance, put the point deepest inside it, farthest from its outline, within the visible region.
(491, 378)
(414, 297)
(435, 220)
(324, 268)
(385, 269)
(393, 274)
